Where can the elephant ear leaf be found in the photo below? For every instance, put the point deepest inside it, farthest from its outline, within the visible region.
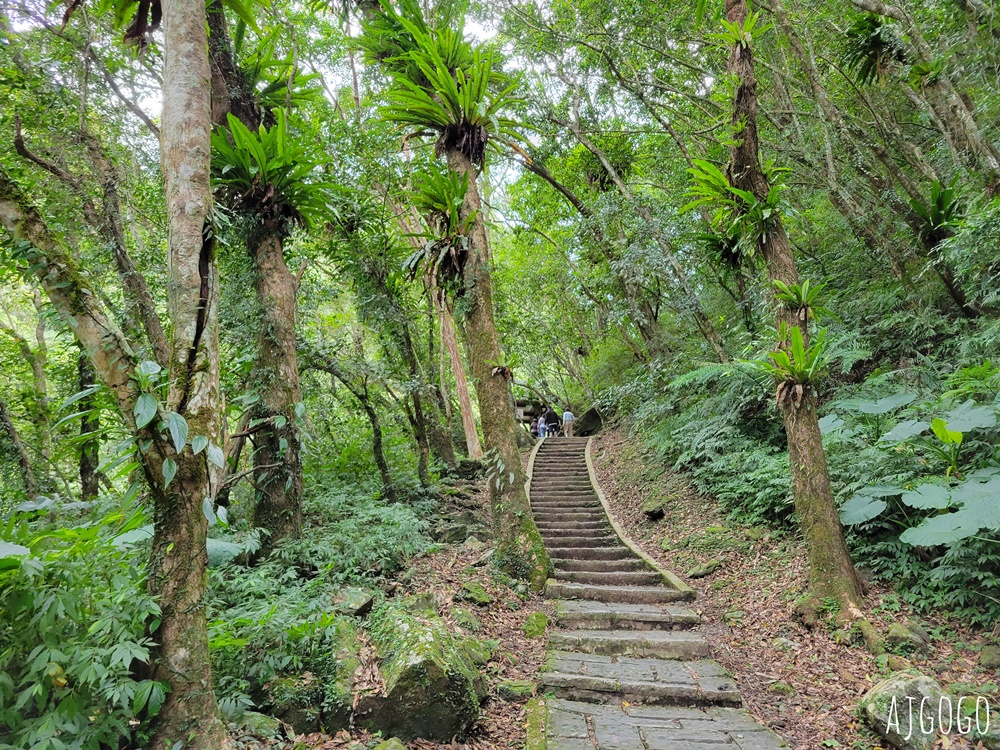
(928, 496)
(861, 508)
(945, 529)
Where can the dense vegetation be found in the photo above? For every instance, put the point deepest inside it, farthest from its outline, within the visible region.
(743, 231)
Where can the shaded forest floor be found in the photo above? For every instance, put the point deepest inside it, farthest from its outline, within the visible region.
(801, 683)
(441, 575)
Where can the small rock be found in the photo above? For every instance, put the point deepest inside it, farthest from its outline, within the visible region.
(451, 533)
(733, 617)
(473, 591)
(353, 601)
(260, 725)
(516, 690)
(780, 687)
(715, 529)
(898, 663)
(785, 644)
(892, 709)
(466, 620)
(654, 507)
(755, 533)
(474, 544)
(701, 571)
(480, 651)
(989, 657)
(908, 637)
(391, 744)
(535, 624)
(425, 601)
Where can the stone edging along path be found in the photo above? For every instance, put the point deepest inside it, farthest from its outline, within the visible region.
(627, 668)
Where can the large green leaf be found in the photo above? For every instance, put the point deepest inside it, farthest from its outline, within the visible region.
(861, 508)
(928, 496)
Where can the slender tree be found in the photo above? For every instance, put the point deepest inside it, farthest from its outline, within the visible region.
(179, 479)
(831, 572)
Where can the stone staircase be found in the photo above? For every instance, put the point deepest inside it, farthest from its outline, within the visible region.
(627, 667)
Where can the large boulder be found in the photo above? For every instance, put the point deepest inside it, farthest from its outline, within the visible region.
(432, 686)
(896, 707)
(588, 423)
(322, 697)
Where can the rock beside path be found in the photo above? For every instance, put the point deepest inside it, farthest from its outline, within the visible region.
(892, 709)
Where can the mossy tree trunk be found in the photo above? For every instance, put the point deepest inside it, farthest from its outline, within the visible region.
(276, 446)
(89, 458)
(179, 481)
(831, 572)
(276, 455)
(520, 550)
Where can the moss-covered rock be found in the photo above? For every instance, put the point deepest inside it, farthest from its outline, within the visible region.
(338, 686)
(260, 725)
(432, 686)
(391, 744)
(892, 709)
(466, 620)
(296, 701)
(535, 624)
(480, 651)
(655, 507)
(353, 601)
(517, 690)
(474, 592)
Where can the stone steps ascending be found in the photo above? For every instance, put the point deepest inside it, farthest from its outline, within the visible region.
(628, 666)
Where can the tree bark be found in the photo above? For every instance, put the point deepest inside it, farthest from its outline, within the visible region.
(520, 550)
(23, 459)
(473, 448)
(277, 451)
(831, 572)
(90, 423)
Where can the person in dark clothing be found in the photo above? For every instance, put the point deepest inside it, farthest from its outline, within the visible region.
(551, 422)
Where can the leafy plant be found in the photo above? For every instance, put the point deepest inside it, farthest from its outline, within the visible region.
(872, 47)
(803, 299)
(439, 199)
(737, 213)
(73, 606)
(444, 83)
(939, 215)
(797, 367)
(741, 34)
(268, 175)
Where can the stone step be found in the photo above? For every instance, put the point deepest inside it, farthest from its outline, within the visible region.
(594, 540)
(622, 594)
(599, 679)
(563, 563)
(564, 495)
(587, 615)
(573, 527)
(573, 725)
(543, 505)
(566, 516)
(540, 487)
(627, 578)
(592, 553)
(684, 645)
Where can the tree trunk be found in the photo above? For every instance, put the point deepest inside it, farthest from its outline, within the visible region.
(520, 550)
(831, 570)
(388, 488)
(473, 449)
(89, 424)
(179, 557)
(276, 455)
(23, 459)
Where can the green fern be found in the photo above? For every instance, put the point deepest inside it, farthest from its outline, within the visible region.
(267, 175)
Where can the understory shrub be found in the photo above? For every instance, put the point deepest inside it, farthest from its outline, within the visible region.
(73, 606)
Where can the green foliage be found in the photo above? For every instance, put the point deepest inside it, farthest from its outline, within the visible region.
(735, 212)
(442, 82)
(741, 34)
(269, 175)
(803, 299)
(73, 606)
(439, 199)
(939, 215)
(871, 47)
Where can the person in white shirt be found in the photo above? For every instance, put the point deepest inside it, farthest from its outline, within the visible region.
(568, 422)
